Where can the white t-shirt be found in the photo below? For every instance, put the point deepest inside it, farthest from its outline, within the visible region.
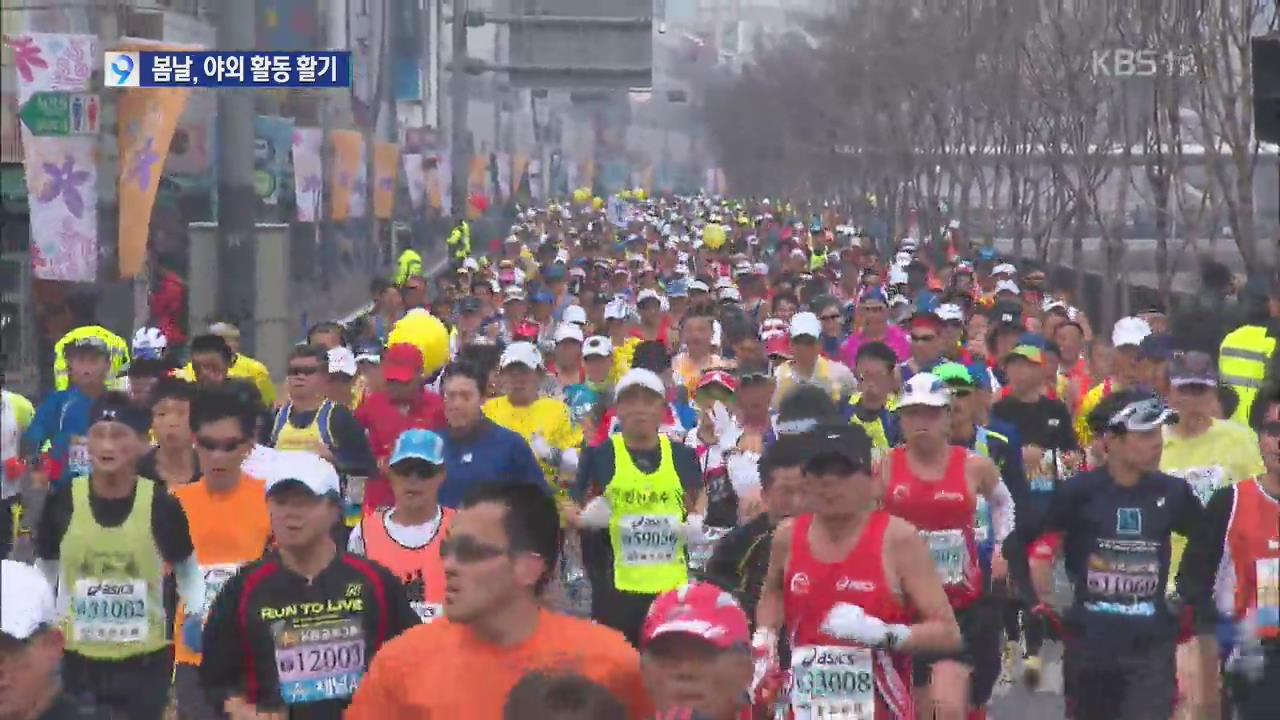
(410, 536)
(260, 459)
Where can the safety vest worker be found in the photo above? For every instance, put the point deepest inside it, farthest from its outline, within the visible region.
(459, 242)
(1242, 363)
(116, 346)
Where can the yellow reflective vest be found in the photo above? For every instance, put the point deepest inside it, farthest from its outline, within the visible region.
(1242, 363)
(116, 345)
(459, 241)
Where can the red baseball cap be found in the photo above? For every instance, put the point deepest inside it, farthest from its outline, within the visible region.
(699, 609)
(778, 345)
(719, 377)
(401, 362)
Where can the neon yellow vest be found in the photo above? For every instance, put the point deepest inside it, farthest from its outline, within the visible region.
(649, 555)
(1242, 364)
(821, 377)
(113, 578)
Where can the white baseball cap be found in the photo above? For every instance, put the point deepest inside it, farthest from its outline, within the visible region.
(1004, 269)
(575, 314)
(950, 311)
(1008, 286)
(924, 389)
(648, 294)
(521, 353)
(597, 345)
(514, 293)
(805, 323)
(26, 600)
(306, 468)
(642, 378)
(730, 294)
(698, 285)
(1129, 331)
(342, 360)
(568, 331)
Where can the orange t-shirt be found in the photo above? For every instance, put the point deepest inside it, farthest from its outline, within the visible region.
(228, 530)
(442, 671)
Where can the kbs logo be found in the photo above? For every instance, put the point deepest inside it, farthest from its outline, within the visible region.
(121, 69)
(1142, 63)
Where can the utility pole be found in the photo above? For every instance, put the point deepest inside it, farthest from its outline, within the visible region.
(236, 199)
(459, 160)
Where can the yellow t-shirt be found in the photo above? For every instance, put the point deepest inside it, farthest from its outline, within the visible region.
(1084, 436)
(1223, 455)
(243, 367)
(547, 417)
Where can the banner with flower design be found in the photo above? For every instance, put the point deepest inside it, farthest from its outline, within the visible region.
(347, 184)
(307, 171)
(146, 118)
(62, 171)
(386, 165)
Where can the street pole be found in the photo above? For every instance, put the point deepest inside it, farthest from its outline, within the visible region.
(459, 159)
(236, 199)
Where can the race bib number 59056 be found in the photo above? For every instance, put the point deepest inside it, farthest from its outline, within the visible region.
(648, 539)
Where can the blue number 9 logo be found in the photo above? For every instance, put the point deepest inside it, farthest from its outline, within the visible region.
(122, 69)
(123, 66)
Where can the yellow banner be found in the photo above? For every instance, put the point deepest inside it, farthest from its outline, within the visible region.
(146, 118)
(386, 164)
(347, 178)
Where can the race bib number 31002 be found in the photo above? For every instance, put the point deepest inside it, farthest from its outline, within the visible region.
(832, 682)
(322, 662)
(648, 539)
(109, 610)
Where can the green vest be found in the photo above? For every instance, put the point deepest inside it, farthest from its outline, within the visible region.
(113, 579)
(649, 554)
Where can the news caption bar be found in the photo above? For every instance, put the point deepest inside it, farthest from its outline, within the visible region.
(219, 69)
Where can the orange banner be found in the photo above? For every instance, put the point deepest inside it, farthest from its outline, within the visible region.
(386, 165)
(346, 183)
(478, 177)
(146, 118)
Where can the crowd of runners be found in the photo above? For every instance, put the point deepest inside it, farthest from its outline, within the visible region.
(688, 456)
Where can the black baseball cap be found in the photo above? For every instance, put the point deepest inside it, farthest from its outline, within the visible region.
(847, 442)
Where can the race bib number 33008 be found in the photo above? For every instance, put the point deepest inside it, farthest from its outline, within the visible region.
(832, 682)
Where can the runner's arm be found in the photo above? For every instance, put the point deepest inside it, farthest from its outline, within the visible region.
(769, 611)
(190, 582)
(1198, 572)
(41, 427)
(223, 646)
(937, 630)
(352, 454)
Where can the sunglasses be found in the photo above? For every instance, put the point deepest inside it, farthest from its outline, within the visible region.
(467, 549)
(961, 392)
(923, 338)
(755, 378)
(215, 446)
(303, 369)
(1142, 416)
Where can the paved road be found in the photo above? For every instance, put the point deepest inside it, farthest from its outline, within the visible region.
(1014, 702)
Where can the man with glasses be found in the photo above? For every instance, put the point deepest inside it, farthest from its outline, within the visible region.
(871, 408)
(926, 345)
(1117, 521)
(1237, 551)
(227, 513)
(936, 485)
(292, 634)
(311, 422)
(31, 647)
(871, 321)
(833, 337)
(501, 551)
(406, 537)
(807, 366)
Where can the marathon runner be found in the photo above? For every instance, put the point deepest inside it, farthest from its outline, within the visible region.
(16, 413)
(61, 421)
(854, 590)
(292, 634)
(103, 540)
(935, 486)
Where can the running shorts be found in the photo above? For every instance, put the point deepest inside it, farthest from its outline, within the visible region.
(1140, 685)
(981, 627)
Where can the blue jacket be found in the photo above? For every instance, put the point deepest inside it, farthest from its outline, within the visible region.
(61, 416)
(493, 454)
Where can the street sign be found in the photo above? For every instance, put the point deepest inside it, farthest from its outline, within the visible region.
(580, 44)
(61, 113)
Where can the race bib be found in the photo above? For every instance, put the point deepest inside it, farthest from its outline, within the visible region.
(1123, 577)
(1204, 481)
(830, 681)
(1268, 571)
(78, 456)
(950, 554)
(109, 610)
(648, 539)
(324, 662)
(215, 576)
(426, 611)
(981, 521)
(1041, 480)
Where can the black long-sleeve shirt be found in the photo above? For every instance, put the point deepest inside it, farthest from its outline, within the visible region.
(1116, 550)
(740, 562)
(283, 642)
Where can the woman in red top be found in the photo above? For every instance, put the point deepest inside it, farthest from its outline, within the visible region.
(847, 581)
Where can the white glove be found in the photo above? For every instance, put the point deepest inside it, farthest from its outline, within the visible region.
(540, 447)
(596, 514)
(851, 622)
(722, 424)
(744, 472)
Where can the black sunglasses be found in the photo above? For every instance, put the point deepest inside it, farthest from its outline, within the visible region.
(214, 445)
(469, 550)
(303, 370)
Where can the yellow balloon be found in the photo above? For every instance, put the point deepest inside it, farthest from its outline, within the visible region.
(638, 194)
(425, 332)
(624, 195)
(597, 203)
(581, 196)
(713, 236)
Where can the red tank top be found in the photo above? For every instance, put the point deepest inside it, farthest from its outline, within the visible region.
(831, 675)
(420, 569)
(943, 511)
(1253, 542)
